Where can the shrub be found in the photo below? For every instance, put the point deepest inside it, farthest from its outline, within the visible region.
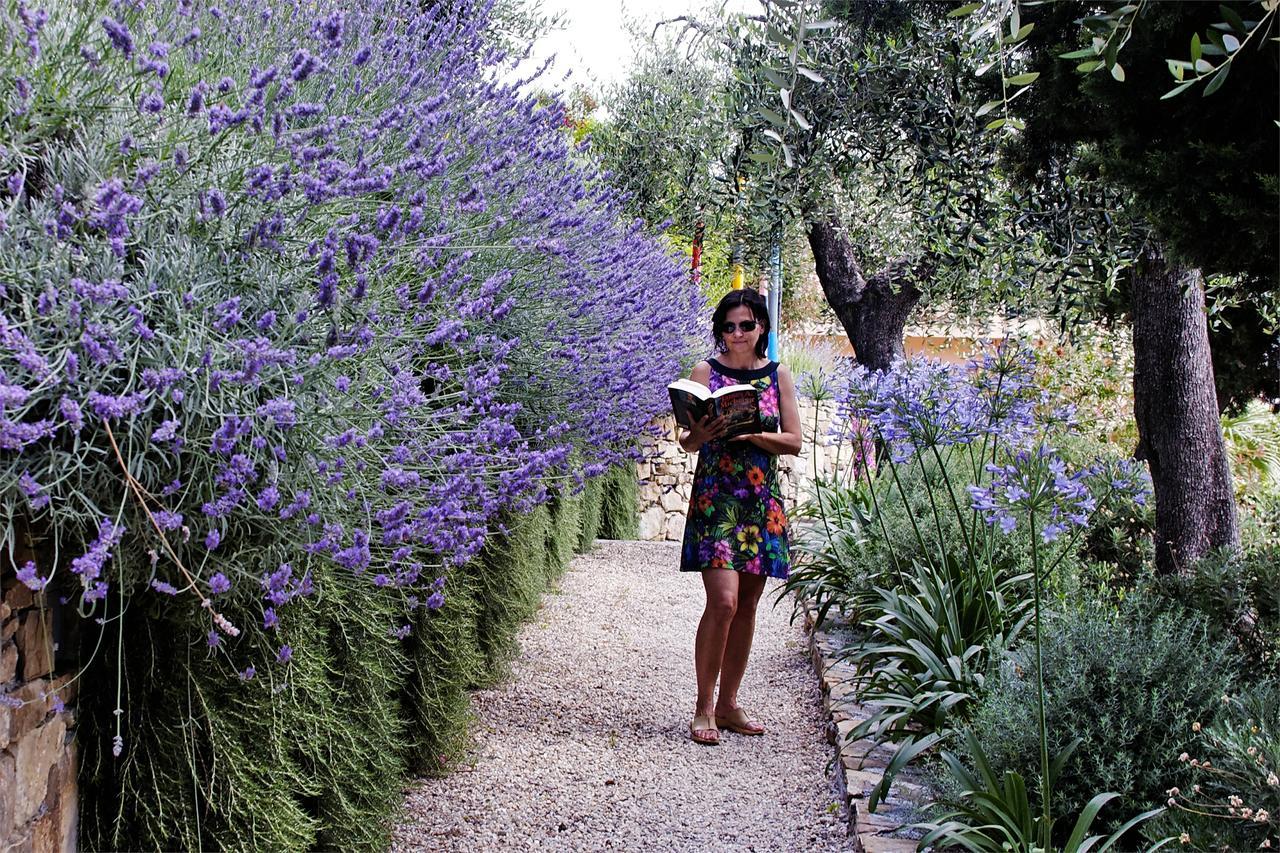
(592, 513)
(1232, 801)
(620, 504)
(990, 505)
(922, 660)
(294, 297)
(1117, 549)
(831, 536)
(1094, 373)
(1129, 683)
(297, 757)
(1239, 597)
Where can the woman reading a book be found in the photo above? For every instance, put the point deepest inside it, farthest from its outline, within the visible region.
(736, 531)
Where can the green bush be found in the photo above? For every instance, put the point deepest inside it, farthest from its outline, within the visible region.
(620, 503)
(565, 531)
(1129, 683)
(1239, 597)
(295, 758)
(446, 660)
(312, 755)
(1233, 800)
(591, 510)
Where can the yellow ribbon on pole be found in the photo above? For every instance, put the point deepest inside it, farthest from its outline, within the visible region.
(739, 274)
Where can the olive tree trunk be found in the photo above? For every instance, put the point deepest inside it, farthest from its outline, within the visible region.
(1176, 407)
(873, 311)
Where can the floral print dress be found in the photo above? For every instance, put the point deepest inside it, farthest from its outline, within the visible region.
(736, 520)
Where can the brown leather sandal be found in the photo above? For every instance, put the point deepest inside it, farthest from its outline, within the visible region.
(738, 721)
(704, 723)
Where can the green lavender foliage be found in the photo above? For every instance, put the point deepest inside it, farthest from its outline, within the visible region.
(591, 514)
(296, 758)
(315, 754)
(566, 530)
(620, 510)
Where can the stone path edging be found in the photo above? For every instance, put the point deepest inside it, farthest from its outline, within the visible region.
(861, 763)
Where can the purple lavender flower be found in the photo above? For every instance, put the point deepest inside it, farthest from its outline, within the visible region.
(36, 496)
(219, 583)
(89, 565)
(168, 519)
(330, 29)
(215, 203)
(167, 431)
(108, 407)
(121, 40)
(28, 575)
(279, 411)
(268, 498)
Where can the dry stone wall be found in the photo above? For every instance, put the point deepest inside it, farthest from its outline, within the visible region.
(38, 795)
(666, 473)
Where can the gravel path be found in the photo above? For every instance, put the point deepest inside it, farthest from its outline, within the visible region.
(587, 747)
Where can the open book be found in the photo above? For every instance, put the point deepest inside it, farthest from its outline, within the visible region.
(740, 404)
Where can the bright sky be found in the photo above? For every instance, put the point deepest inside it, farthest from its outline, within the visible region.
(595, 46)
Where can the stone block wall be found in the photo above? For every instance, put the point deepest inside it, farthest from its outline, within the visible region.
(38, 795)
(666, 472)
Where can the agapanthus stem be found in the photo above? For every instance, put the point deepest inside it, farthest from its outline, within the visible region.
(884, 531)
(968, 541)
(933, 507)
(893, 469)
(817, 485)
(1045, 789)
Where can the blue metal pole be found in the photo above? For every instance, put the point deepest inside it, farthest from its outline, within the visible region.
(775, 294)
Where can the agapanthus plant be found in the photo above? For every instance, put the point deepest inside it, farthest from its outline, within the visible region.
(300, 282)
(986, 422)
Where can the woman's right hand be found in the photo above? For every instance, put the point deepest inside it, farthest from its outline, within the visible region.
(703, 430)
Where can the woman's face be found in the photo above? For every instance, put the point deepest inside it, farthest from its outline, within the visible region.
(740, 340)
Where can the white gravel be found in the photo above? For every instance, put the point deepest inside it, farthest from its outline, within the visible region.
(587, 746)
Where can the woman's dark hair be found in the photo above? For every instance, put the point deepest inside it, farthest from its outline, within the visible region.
(734, 299)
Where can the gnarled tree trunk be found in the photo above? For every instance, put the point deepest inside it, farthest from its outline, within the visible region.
(872, 310)
(1176, 409)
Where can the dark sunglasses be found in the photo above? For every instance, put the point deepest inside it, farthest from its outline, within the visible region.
(728, 328)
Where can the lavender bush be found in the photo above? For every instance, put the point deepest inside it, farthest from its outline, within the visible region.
(285, 284)
(295, 289)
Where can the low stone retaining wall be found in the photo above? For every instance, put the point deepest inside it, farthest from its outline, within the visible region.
(666, 472)
(38, 794)
(861, 763)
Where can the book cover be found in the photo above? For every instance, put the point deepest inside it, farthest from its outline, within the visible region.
(740, 404)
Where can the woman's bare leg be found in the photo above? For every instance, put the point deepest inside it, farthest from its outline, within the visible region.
(713, 632)
(738, 644)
